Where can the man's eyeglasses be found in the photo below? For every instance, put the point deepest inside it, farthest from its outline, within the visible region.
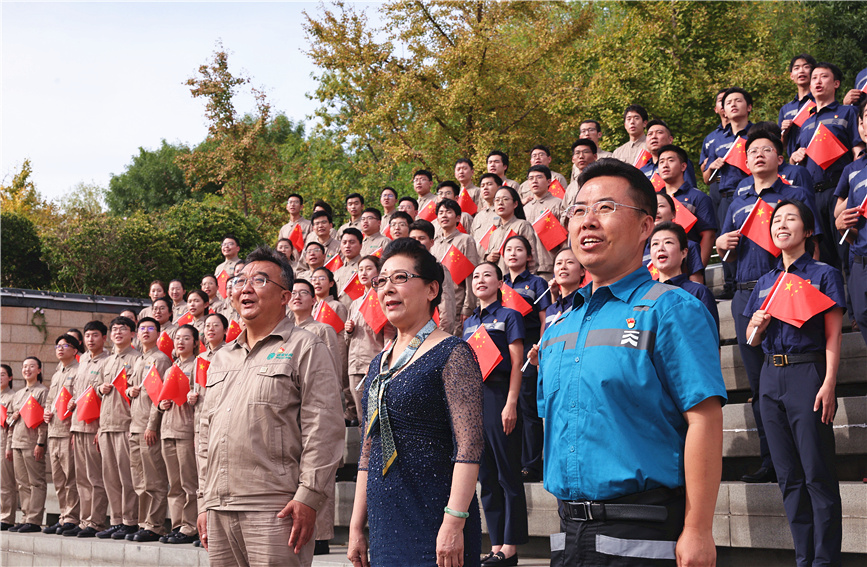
(397, 278)
(301, 293)
(258, 281)
(601, 208)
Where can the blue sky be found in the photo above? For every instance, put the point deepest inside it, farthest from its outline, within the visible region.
(85, 84)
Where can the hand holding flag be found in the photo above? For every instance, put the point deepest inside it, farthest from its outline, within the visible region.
(88, 406)
(121, 383)
(153, 384)
(862, 211)
(551, 233)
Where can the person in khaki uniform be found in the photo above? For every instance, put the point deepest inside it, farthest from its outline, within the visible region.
(230, 247)
(25, 447)
(449, 190)
(423, 232)
(371, 221)
(422, 181)
(88, 461)
(294, 206)
(464, 172)
(177, 292)
(448, 213)
(60, 439)
(498, 163)
(539, 178)
(212, 288)
(540, 155)
(155, 291)
(584, 152)
(350, 246)
(388, 200)
(325, 289)
(323, 227)
(634, 122)
(145, 453)
(486, 216)
(510, 214)
(355, 207)
(271, 435)
(114, 422)
(177, 433)
(8, 487)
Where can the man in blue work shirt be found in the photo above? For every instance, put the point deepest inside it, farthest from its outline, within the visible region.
(842, 121)
(631, 387)
(800, 68)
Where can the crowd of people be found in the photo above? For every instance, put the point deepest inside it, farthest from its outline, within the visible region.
(220, 407)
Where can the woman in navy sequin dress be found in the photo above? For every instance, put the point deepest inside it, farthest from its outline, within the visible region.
(434, 416)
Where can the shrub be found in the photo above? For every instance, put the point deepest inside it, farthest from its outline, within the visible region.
(22, 248)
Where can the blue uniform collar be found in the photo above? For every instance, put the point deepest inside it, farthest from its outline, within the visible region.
(800, 264)
(677, 280)
(801, 101)
(622, 289)
(728, 129)
(778, 187)
(563, 303)
(683, 188)
(489, 310)
(830, 108)
(522, 276)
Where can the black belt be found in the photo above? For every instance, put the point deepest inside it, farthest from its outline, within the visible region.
(823, 186)
(598, 512)
(726, 193)
(746, 286)
(787, 359)
(859, 259)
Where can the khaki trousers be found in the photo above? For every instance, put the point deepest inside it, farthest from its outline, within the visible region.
(253, 538)
(151, 482)
(116, 475)
(180, 457)
(8, 490)
(354, 380)
(88, 478)
(32, 488)
(63, 476)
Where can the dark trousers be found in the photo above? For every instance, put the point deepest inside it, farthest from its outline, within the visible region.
(728, 267)
(753, 358)
(503, 498)
(622, 543)
(858, 293)
(828, 242)
(802, 448)
(532, 436)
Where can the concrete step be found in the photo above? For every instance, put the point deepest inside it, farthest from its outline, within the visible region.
(741, 439)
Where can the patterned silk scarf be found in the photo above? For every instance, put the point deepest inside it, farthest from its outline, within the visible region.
(377, 410)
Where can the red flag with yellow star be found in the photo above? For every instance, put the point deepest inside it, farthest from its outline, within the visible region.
(186, 319)
(513, 300)
(460, 227)
(377, 252)
(153, 384)
(165, 344)
(202, 371)
(176, 386)
(683, 216)
(458, 265)
(354, 288)
(61, 405)
(757, 227)
(508, 236)
(325, 314)
(556, 188)
(387, 232)
(654, 273)
(824, 147)
(4, 414)
(643, 159)
(233, 331)
(32, 413)
(795, 301)
(121, 383)
(296, 237)
(429, 211)
(334, 264)
(486, 351)
(88, 406)
(372, 312)
(804, 113)
(657, 182)
(551, 232)
(737, 155)
(466, 203)
(222, 278)
(486, 239)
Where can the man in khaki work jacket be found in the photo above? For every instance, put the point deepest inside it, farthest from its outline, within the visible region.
(271, 431)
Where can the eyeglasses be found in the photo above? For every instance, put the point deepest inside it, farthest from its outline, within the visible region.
(499, 200)
(369, 218)
(62, 346)
(319, 278)
(397, 278)
(147, 328)
(601, 208)
(301, 293)
(767, 150)
(258, 281)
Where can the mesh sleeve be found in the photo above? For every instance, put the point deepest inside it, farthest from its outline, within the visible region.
(462, 381)
(364, 455)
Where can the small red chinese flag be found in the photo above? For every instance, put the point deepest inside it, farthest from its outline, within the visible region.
(486, 239)
(795, 301)
(32, 413)
(657, 182)
(513, 300)
(737, 155)
(165, 344)
(88, 406)
(757, 227)
(186, 319)
(222, 278)
(486, 351)
(121, 383)
(436, 316)
(4, 414)
(654, 273)
(466, 203)
(202, 371)
(325, 314)
(551, 232)
(508, 236)
(354, 288)
(458, 264)
(429, 211)
(334, 264)
(176, 386)
(683, 216)
(372, 312)
(61, 405)
(824, 147)
(233, 331)
(803, 113)
(643, 159)
(387, 233)
(460, 227)
(556, 188)
(784, 180)
(296, 237)
(153, 384)
(377, 252)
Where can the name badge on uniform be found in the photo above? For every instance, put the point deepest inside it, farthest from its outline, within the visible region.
(630, 322)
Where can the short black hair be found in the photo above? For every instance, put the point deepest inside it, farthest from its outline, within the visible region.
(544, 148)
(450, 184)
(392, 189)
(543, 169)
(195, 333)
(767, 126)
(302, 281)
(591, 121)
(637, 108)
(125, 321)
(658, 122)
(358, 196)
(374, 211)
(179, 281)
(425, 173)
(412, 200)
(838, 75)
(584, 142)
(763, 134)
(424, 263)
(732, 90)
(642, 189)
(425, 226)
(502, 155)
(681, 153)
(96, 325)
(320, 214)
(451, 205)
(70, 340)
(401, 215)
(223, 320)
(352, 231)
(488, 175)
(315, 244)
(811, 61)
(300, 198)
(325, 207)
(467, 161)
(678, 231)
(232, 237)
(149, 320)
(265, 253)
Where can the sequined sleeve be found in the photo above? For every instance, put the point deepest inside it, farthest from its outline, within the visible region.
(462, 381)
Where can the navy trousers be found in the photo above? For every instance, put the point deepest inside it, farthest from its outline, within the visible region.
(858, 293)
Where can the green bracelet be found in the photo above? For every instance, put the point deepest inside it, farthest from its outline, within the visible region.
(455, 513)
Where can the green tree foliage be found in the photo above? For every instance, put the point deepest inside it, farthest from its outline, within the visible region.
(841, 36)
(21, 196)
(85, 199)
(22, 265)
(152, 181)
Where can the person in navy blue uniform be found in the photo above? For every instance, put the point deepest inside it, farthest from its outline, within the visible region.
(857, 96)
(517, 253)
(738, 104)
(790, 174)
(631, 389)
(851, 219)
(503, 498)
(797, 392)
(672, 164)
(658, 136)
(800, 68)
(842, 121)
(668, 250)
(764, 156)
(694, 269)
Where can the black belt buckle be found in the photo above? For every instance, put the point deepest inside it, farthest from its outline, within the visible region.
(781, 360)
(580, 511)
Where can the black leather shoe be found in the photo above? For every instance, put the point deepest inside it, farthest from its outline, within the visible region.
(530, 476)
(145, 535)
(86, 532)
(52, 529)
(165, 538)
(197, 543)
(16, 527)
(106, 534)
(71, 532)
(351, 422)
(6, 527)
(28, 528)
(63, 527)
(321, 547)
(182, 538)
(501, 560)
(124, 531)
(764, 474)
(486, 557)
